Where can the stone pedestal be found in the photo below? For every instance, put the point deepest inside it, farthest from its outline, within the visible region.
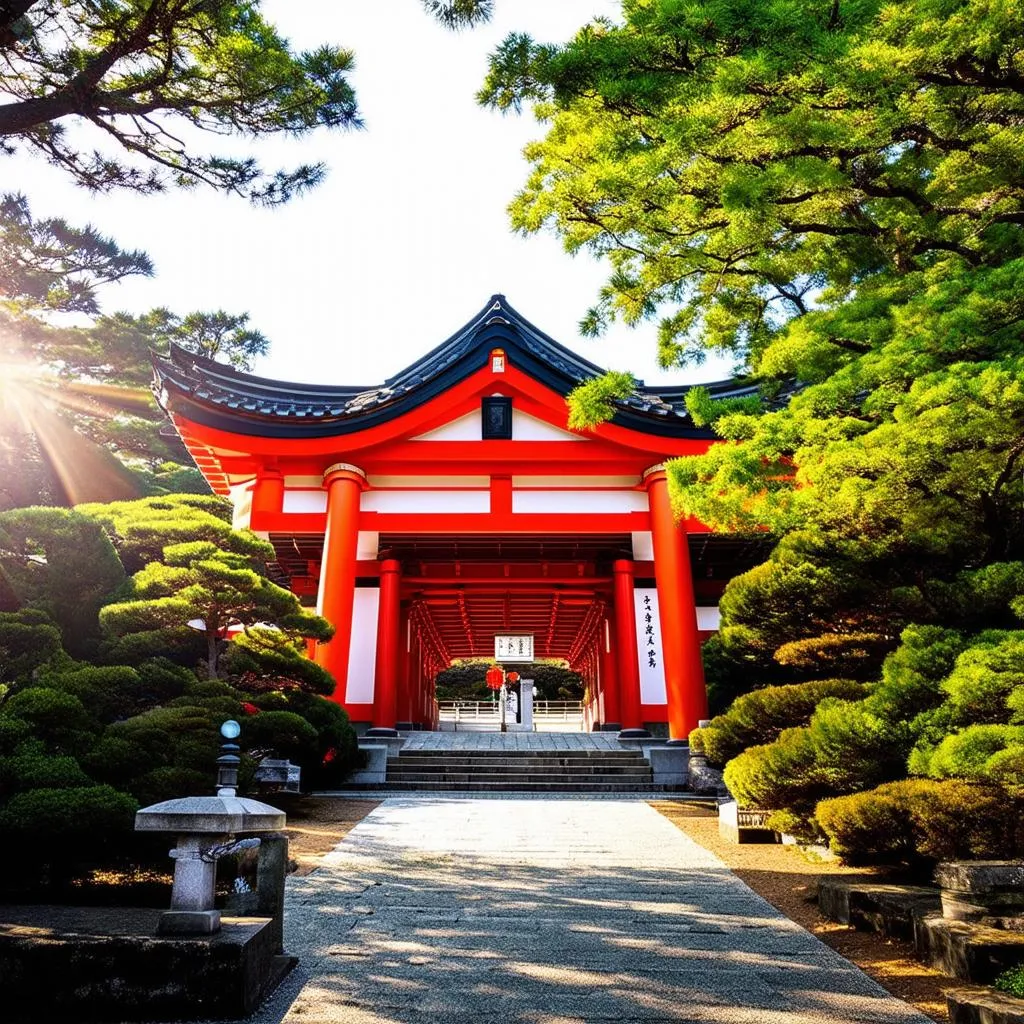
(376, 770)
(669, 766)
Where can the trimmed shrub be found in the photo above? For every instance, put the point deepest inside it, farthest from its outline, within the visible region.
(65, 829)
(1006, 768)
(757, 718)
(337, 750)
(985, 677)
(923, 818)
(845, 748)
(775, 775)
(59, 719)
(280, 734)
(965, 754)
(13, 732)
(169, 783)
(34, 769)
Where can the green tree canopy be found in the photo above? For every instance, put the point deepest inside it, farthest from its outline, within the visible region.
(143, 76)
(61, 563)
(833, 194)
(198, 583)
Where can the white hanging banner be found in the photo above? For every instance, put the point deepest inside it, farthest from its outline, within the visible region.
(648, 645)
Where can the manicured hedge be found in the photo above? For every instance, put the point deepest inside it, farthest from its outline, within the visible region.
(916, 819)
(760, 716)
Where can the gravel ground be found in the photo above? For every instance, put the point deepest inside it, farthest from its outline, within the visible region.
(316, 826)
(788, 880)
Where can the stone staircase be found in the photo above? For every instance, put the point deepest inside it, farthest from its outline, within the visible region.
(520, 771)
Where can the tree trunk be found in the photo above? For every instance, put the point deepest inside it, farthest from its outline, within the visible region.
(211, 652)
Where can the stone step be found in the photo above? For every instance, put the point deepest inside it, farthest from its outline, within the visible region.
(498, 764)
(519, 787)
(440, 778)
(575, 754)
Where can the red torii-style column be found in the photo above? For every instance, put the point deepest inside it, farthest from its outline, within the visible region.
(610, 719)
(626, 654)
(385, 684)
(680, 642)
(344, 484)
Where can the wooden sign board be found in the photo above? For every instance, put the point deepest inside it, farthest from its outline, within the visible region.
(518, 647)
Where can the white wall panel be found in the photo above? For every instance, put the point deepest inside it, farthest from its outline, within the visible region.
(428, 481)
(465, 428)
(643, 546)
(240, 497)
(709, 617)
(367, 545)
(304, 501)
(529, 428)
(557, 482)
(362, 657)
(578, 501)
(426, 501)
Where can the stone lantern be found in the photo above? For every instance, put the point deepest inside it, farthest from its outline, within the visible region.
(206, 827)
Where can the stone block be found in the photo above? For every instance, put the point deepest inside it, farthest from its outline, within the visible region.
(972, 890)
(188, 922)
(705, 779)
(91, 964)
(376, 770)
(889, 910)
(833, 898)
(965, 950)
(669, 767)
(983, 1006)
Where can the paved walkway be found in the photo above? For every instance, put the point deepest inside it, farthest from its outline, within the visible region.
(511, 741)
(549, 911)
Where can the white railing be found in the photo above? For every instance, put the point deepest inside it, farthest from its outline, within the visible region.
(558, 710)
(546, 713)
(468, 711)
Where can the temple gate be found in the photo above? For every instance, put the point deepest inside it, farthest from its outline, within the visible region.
(451, 503)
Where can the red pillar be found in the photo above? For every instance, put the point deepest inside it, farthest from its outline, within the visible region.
(680, 643)
(344, 484)
(609, 676)
(267, 493)
(404, 701)
(625, 646)
(385, 686)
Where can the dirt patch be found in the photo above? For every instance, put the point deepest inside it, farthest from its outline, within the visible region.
(317, 824)
(788, 880)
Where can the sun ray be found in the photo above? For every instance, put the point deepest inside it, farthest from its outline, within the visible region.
(30, 404)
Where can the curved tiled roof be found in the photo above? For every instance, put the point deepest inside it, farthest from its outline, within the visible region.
(216, 395)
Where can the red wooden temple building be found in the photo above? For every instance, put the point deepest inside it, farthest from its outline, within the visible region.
(426, 515)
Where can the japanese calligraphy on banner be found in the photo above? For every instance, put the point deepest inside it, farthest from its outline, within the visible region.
(648, 645)
(513, 648)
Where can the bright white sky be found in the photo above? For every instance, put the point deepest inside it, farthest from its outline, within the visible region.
(409, 235)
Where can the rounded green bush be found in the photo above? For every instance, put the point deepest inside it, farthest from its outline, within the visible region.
(60, 720)
(758, 717)
(63, 830)
(965, 754)
(923, 818)
(35, 769)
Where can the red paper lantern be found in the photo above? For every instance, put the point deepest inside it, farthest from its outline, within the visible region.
(495, 677)
(513, 677)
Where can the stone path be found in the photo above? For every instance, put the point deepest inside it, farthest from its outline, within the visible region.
(550, 911)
